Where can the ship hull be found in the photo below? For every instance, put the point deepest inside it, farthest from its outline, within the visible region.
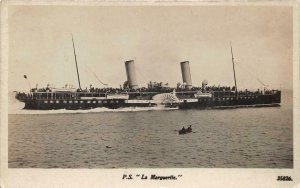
(78, 104)
(201, 103)
(233, 102)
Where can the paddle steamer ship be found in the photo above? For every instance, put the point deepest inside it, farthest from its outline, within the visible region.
(184, 96)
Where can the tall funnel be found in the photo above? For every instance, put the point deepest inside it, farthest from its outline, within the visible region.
(186, 74)
(131, 76)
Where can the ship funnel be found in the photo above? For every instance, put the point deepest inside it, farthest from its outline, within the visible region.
(131, 76)
(186, 74)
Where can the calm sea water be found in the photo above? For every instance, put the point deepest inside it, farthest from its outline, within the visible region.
(143, 138)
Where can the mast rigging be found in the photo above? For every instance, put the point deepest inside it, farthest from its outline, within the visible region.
(236, 93)
(76, 63)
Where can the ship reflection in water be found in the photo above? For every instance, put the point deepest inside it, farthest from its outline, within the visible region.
(238, 138)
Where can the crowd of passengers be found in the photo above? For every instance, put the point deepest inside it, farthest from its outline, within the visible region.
(218, 90)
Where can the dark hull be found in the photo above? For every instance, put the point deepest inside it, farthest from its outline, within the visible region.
(203, 103)
(81, 104)
(232, 102)
(185, 131)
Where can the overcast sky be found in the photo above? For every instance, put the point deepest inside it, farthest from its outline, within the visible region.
(158, 38)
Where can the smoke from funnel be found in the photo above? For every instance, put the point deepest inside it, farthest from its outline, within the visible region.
(186, 74)
(131, 76)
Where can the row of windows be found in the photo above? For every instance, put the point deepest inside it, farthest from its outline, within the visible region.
(227, 99)
(94, 102)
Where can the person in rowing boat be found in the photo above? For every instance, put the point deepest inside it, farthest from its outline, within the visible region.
(183, 129)
(189, 128)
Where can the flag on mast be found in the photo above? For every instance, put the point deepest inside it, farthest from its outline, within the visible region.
(25, 76)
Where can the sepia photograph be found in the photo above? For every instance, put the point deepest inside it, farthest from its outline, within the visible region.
(150, 87)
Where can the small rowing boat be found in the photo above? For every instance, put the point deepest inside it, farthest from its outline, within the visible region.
(184, 131)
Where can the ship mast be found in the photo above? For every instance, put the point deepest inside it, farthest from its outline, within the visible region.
(236, 93)
(76, 63)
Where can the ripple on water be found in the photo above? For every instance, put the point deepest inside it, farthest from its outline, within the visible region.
(249, 138)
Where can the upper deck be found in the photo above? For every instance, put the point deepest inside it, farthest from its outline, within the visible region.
(137, 94)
